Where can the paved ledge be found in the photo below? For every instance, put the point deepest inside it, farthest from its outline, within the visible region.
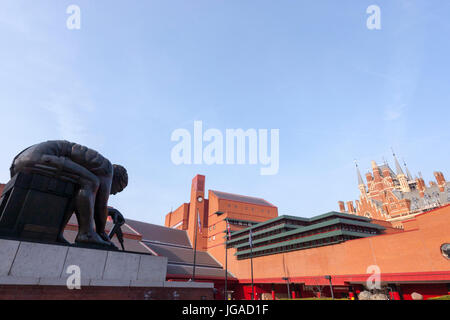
(180, 284)
(30, 263)
(9, 280)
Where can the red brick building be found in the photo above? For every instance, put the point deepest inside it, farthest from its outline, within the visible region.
(297, 253)
(398, 196)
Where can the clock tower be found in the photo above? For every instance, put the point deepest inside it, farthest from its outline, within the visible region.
(198, 219)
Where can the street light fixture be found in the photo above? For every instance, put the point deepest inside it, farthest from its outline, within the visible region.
(331, 286)
(288, 287)
(199, 200)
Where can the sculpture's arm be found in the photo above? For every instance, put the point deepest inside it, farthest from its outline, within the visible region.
(63, 166)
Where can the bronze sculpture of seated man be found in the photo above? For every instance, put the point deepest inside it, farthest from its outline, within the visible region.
(96, 178)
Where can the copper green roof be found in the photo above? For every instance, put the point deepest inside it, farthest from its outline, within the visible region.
(304, 240)
(312, 227)
(256, 233)
(306, 220)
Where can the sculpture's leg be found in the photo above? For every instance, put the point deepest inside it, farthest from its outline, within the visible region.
(101, 207)
(84, 198)
(66, 218)
(85, 202)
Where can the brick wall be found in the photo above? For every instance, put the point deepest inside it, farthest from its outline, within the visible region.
(178, 218)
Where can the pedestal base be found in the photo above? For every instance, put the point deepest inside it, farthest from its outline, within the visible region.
(45, 270)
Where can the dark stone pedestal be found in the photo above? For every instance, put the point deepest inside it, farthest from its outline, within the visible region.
(33, 205)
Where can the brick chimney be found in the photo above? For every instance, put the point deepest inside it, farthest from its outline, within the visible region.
(440, 180)
(421, 186)
(350, 206)
(369, 179)
(341, 206)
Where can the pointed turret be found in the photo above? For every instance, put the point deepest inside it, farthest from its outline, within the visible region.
(404, 186)
(408, 174)
(361, 185)
(397, 165)
(360, 179)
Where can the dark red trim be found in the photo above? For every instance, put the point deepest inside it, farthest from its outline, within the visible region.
(343, 279)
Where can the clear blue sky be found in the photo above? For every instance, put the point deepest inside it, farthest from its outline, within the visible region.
(137, 70)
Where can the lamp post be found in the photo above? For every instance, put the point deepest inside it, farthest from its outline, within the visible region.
(331, 286)
(196, 225)
(250, 241)
(288, 286)
(226, 260)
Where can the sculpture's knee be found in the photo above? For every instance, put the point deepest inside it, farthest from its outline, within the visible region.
(90, 185)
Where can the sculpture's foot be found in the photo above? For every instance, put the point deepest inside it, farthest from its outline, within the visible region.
(94, 239)
(104, 236)
(62, 240)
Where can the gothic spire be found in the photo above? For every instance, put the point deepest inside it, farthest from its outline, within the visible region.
(360, 179)
(397, 165)
(408, 174)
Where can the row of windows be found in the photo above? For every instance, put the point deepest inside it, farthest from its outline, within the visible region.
(262, 236)
(244, 240)
(235, 223)
(241, 223)
(293, 237)
(297, 222)
(252, 208)
(274, 232)
(357, 229)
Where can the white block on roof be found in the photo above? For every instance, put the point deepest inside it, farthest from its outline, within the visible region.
(91, 262)
(8, 250)
(152, 268)
(39, 260)
(121, 265)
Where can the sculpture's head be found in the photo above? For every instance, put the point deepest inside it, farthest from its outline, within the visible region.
(119, 180)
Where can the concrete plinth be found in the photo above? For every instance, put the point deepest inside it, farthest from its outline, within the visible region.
(32, 265)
